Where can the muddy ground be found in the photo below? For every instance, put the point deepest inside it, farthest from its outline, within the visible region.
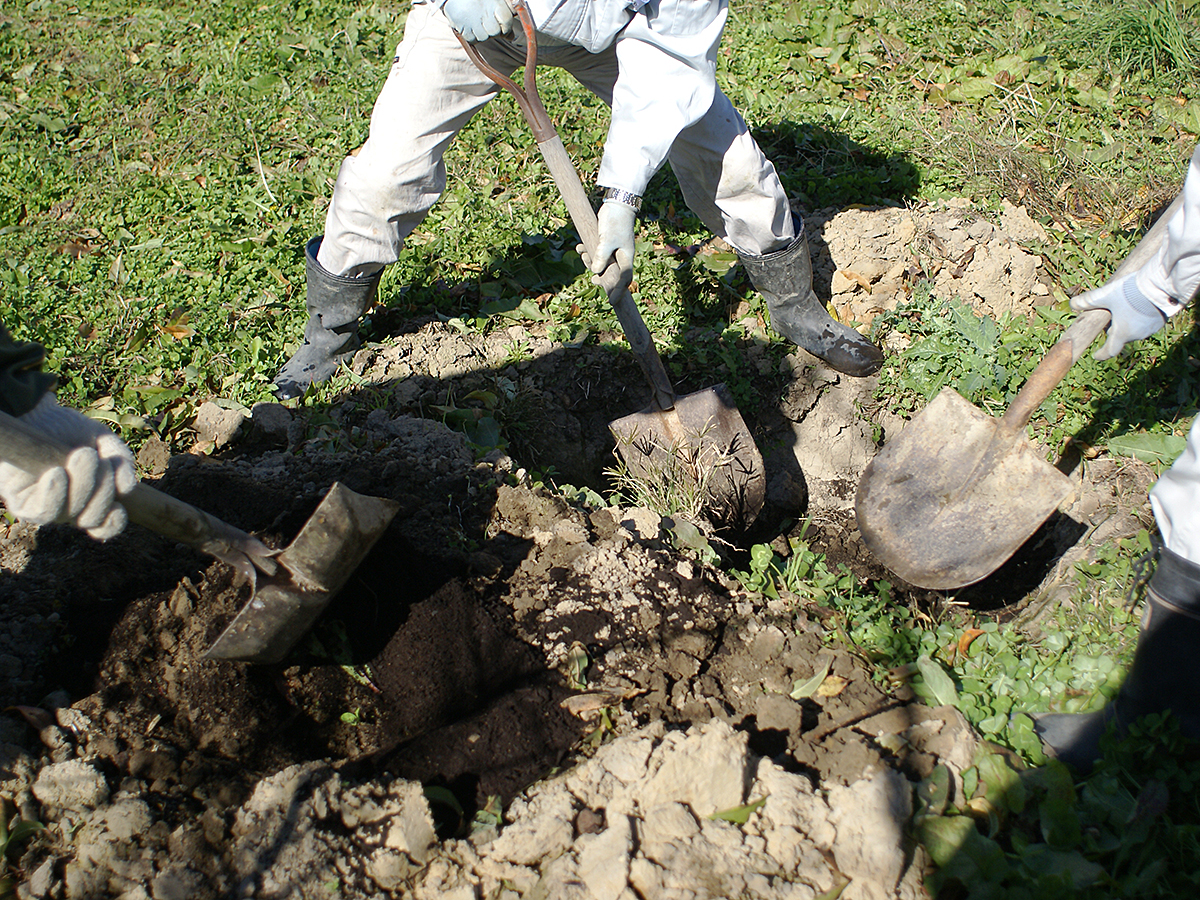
(516, 696)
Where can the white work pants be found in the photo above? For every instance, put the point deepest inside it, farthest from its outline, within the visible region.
(1176, 500)
(433, 90)
(1176, 271)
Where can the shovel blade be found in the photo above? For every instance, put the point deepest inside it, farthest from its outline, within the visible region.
(313, 568)
(702, 442)
(953, 496)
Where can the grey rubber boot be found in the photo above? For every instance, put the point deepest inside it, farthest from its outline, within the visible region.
(1164, 677)
(335, 303)
(784, 278)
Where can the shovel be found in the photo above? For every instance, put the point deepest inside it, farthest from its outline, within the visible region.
(957, 492)
(290, 587)
(699, 437)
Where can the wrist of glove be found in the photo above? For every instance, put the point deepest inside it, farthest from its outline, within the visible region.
(615, 221)
(478, 20)
(84, 491)
(1134, 316)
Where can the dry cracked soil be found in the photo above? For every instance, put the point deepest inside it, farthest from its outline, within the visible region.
(515, 696)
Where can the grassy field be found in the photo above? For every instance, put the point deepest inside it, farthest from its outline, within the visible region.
(162, 166)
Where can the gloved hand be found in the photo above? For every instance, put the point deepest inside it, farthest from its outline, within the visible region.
(478, 20)
(84, 491)
(1133, 315)
(616, 236)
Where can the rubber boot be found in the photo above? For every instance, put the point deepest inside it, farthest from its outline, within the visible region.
(335, 303)
(1164, 677)
(784, 278)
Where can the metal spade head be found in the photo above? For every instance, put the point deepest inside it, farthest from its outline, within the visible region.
(953, 496)
(704, 441)
(313, 568)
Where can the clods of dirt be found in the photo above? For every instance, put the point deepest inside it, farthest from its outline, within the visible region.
(517, 694)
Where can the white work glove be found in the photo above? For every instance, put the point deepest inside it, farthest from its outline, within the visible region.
(478, 20)
(1134, 316)
(84, 491)
(616, 236)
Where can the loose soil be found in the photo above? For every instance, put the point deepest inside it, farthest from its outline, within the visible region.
(516, 695)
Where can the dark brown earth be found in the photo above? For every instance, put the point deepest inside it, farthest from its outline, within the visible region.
(498, 633)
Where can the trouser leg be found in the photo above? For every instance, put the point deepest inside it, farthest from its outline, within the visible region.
(385, 190)
(735, 190)
(1165, 674)
(729, 184)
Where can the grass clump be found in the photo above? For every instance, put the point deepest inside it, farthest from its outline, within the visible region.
(1155, 36)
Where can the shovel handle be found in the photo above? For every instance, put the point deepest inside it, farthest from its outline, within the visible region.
(614, 280)
(1087, 326)
(27, 448)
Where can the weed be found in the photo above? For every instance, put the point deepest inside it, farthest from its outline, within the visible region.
(1135, 36)
(679, 479)
(988, 362)
(804, 574)
(1127, 831)
(490, 815)
(14, 831)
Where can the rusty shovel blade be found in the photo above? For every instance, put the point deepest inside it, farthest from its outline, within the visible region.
(702, 442)
(954, 495)
(312, 569)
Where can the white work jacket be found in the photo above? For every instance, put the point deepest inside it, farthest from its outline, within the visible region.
(667, 58)
(1170, 280)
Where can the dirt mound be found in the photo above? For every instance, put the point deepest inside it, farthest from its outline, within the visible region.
(516, 695)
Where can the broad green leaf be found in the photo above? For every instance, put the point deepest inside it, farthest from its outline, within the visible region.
(1042, 860)
(442, 795)
(940, 684)
(934, 791)
(970, 89)
(957, 847)
(1002, 784)
(739, 815)
(802, 689)
(1150, 448)
(1057, 810)
(264, 83)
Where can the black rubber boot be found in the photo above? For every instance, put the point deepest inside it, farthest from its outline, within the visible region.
(784, 278)
(1164, 677)
(335, 303)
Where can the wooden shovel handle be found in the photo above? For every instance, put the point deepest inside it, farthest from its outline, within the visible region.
(1079, 336)
(34, 452)
(614, 280)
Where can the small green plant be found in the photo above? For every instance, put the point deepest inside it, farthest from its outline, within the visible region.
(983, 360)
(490, 815)
(577, 666)
(517, 352)
(353, 717)
(605, 729)
(1130, 829)
(1135, 36)
(804, 574)
(14, 832)
(1119, 405)
(673, 481)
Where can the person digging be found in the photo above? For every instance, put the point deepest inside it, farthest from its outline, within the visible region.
(654, 63)
(1162, 678)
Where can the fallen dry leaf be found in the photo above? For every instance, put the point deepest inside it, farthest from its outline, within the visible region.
(179, 332)
(832, 686)
(968, 636)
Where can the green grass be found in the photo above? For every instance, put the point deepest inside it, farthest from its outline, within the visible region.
(160, 169)
(162, 166)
